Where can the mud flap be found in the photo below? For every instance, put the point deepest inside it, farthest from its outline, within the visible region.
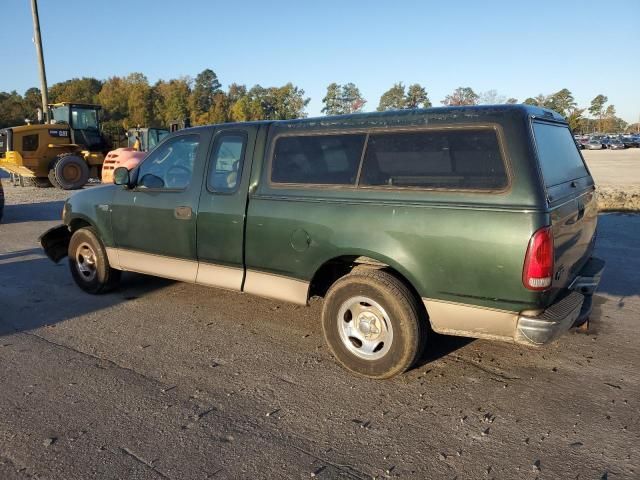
(55, 242)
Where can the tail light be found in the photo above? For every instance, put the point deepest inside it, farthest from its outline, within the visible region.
(538, 262)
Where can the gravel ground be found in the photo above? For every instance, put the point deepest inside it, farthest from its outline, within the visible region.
(164, 380)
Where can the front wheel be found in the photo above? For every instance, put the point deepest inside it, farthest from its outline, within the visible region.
(69, 171)
(89, 263)
(373, 323)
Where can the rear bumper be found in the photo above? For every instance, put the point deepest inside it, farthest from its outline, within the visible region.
(574, 308)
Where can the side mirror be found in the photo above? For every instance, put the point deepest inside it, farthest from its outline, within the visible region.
(121, 176)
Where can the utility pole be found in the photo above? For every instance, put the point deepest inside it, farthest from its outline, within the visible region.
(43, 76)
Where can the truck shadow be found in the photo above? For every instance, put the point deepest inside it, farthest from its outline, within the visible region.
(37, 293)
(32, 212)
(439, 346)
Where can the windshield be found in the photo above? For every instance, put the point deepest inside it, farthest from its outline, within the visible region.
(60, 114)
(84, 118)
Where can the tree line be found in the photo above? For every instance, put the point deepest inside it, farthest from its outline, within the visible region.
(131, 100)
(347, 99)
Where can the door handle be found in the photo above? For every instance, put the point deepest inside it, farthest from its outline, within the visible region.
(182, 213)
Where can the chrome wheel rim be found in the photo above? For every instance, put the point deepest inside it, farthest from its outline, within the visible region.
(86, 261)
(365, 328)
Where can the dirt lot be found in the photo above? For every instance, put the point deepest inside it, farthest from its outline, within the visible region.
(614, 168)
(164, 380)
(617, 174)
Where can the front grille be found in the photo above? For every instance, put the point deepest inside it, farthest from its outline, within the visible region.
(110, 162)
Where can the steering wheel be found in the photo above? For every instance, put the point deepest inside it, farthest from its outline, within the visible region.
(177, 177)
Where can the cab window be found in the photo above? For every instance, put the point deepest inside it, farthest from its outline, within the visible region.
(170, 166)
(60, 114)
(226, 162)
(30, 143)
(155, 137)
(84, 118)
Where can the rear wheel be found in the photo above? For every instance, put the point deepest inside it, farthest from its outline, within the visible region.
(70, 171)
(89, 263)
(373, 324)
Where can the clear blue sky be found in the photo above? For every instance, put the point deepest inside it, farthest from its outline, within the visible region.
(519, 48)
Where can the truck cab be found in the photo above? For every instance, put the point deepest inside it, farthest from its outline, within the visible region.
(83, 120)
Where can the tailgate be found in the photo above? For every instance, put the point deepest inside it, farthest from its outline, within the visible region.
(574, 225)
(571, 197)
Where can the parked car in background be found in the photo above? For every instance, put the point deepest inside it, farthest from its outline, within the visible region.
(408, 221)
(631, 142)
(615, 144)
(594, 144)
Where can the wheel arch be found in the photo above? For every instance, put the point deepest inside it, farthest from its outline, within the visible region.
(337, 267)
(77, 223)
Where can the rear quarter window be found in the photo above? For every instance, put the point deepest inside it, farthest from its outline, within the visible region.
(464, 159)
(559, 158)
(317, 159)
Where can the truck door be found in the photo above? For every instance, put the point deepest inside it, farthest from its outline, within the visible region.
(223, 206)
(154, 223)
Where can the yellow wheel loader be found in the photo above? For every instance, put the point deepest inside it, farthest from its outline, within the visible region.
(64, 152)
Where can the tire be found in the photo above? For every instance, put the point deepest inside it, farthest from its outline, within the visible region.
(89, 263)
(71, 171)
(390, 332)
(52, 178)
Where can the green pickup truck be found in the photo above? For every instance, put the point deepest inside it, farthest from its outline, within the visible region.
(472, 221)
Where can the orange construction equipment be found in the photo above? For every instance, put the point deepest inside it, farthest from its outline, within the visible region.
(120, 157)
(141, 141)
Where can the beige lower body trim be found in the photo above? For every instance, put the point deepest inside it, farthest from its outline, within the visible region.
(219, 276)
(256, 283)
(159, 265)
(113, 257)
(276, 287)
(451, 318)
